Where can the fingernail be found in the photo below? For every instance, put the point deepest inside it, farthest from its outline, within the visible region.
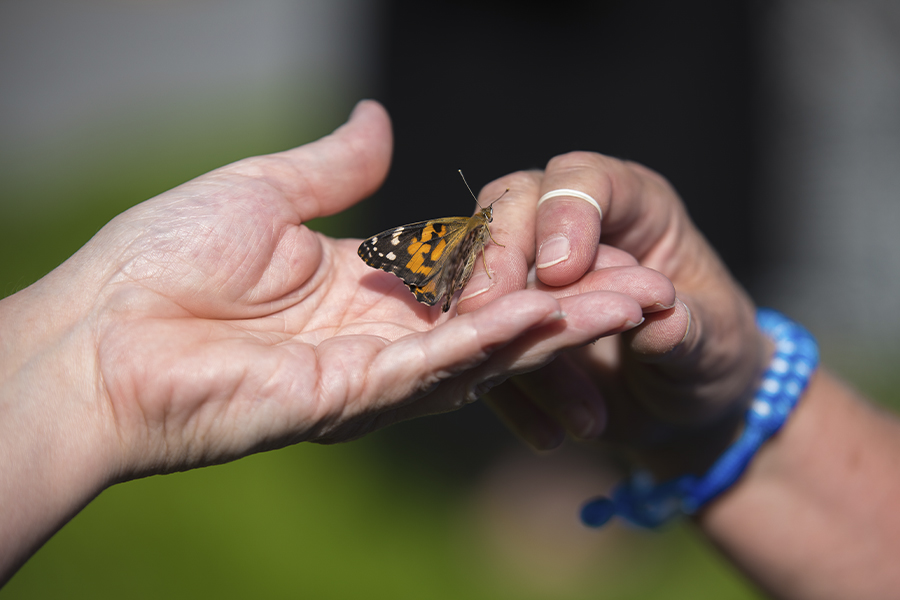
(690, 321)
(554, 317)
(554, 250)
(629, 324)
(546, 438)
(479, 284)
(579, 421)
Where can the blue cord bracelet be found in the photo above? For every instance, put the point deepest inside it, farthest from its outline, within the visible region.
(644, 503)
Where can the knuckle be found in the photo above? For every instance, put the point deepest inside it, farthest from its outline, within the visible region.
(580, 161)
(517, 182)
(651, 175)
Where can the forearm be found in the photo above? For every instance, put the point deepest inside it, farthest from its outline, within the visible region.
(815, 515)
(50, 462)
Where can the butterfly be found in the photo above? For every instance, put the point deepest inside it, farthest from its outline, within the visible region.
(434, 258)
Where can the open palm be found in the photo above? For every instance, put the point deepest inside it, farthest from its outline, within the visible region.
(221, 325)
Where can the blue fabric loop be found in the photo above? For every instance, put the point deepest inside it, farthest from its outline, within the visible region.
(644, 503)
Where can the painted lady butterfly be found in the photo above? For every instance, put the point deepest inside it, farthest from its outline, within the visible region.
(433, 258)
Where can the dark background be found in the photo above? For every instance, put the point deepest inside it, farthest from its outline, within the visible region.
(494, 87)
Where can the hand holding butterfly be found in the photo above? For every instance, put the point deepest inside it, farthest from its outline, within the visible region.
(651, 385)
(815, 514)
(209, 323)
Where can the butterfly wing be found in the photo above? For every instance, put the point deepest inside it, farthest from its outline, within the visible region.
(428, 293)
(433, 258)
(416, 253)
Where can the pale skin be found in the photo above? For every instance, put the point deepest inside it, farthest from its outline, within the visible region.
(816, 515)
(209, 323)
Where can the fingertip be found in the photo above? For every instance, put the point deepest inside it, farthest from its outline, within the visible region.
(603, 312)
(585, 420)
(688, 328)
(366, 105)
(524, 419)
(542, 435)
(369, 111)
(663, 333)
(560, 398)
(330, 174)
(567, 236)
(549, 439)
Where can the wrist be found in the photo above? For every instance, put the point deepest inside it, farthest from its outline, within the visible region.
(693, 449)
(54, 428)
(644, 502)
(813, 516)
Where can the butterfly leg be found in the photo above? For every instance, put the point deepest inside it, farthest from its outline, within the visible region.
(492, 238)
(484, 261)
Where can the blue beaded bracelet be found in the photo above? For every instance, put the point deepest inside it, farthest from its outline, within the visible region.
(642, 502)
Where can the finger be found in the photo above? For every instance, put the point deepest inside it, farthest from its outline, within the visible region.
(634, 209)
(567, 235)
(710, 350)
(587, 317)
(610, 256)
(413, 365)
(513, 227)
(563, 392)
(650, 289)
(607, 257)
(328, 175)
(403, 379)
(663, 333)
(534, 426)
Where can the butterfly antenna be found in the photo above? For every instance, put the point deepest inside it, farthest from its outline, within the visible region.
(470, 189)
(473, 193)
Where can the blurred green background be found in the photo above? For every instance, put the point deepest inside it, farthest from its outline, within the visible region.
(372, 518)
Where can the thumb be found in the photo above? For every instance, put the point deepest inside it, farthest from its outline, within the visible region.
(328, 175)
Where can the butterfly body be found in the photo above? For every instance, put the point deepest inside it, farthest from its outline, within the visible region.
(433, 258)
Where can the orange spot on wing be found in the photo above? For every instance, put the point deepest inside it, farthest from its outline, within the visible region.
(417, 263)
(438, 250)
